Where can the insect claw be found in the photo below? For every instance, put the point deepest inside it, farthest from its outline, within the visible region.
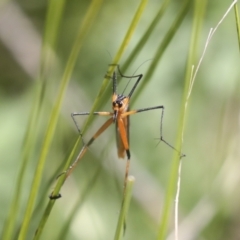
(161, 139)
(55, 197)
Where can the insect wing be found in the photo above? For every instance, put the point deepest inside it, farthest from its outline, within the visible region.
(120, 145)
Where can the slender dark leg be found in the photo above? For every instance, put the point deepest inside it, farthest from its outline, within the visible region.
(85, 147)
(161, 123)
(73, 115)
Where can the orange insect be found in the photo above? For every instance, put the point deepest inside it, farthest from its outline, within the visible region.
(120, 117)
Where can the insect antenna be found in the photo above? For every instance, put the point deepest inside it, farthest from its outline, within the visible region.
(132, 74)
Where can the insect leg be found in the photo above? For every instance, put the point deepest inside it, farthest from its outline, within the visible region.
(73, 115)
(85, 147)
(161, 123)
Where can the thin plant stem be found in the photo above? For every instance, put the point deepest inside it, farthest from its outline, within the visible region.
(237, 23)
(124, 209)
(87, 22)
(199, 11)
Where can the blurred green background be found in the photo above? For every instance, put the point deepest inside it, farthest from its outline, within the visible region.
(209, 199)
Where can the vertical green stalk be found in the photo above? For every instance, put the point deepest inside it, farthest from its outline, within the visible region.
(199, 11)
(53, 21)
(237, 23)
(130, 32)
(87, 22)
(51, 202)
(124, 209)
(84, 194)
(163, 46)
(146, 35)
(8, 229)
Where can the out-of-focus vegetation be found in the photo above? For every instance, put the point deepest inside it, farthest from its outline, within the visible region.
(209, 198)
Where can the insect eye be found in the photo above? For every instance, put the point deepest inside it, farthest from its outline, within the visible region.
(117, 103)
(120, 104)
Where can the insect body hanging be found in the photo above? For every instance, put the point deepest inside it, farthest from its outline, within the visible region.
(120, 117)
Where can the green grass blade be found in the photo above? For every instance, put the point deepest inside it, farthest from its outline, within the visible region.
(163, 46)
(237, 23)
(124, 209)
(146, 35)
(84, 194)
(198, 18)
(88, 20)
(55, 192)
(53, 20)
(28, 143)
(29, 139)
(130, 31)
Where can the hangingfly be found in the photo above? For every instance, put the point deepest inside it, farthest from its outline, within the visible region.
(120, 117)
